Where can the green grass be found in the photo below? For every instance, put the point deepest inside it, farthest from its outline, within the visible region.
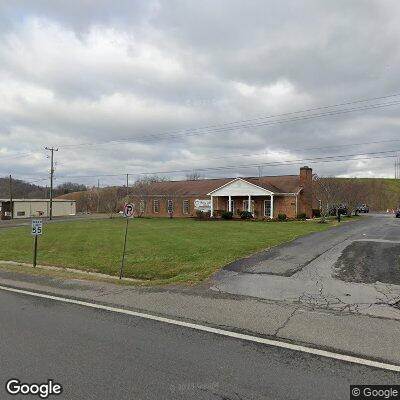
(161, 250)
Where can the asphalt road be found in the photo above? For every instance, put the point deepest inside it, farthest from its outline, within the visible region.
(98, 355)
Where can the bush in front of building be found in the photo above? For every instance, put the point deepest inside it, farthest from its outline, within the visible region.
(302, 216)
(227, 215)
(202, 214)
(246, 215)
(282, 217)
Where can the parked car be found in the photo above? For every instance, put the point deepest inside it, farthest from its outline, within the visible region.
(398, 213)
(362, 208)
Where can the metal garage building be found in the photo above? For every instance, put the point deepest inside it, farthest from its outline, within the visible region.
(27, 208)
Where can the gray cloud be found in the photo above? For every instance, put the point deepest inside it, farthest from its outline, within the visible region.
(89, 71)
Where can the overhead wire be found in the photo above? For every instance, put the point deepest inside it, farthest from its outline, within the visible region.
(236, 125)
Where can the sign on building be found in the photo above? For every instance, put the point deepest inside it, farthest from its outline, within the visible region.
(37, 227)
(202, 205)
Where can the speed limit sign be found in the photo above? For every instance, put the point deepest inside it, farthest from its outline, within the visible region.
(37, 227)
(129, 208)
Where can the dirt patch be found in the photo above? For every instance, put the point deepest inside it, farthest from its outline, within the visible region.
(369, 262)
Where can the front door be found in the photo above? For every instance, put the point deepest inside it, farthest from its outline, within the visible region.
(246, 205)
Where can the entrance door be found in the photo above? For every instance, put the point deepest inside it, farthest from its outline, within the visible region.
(246, 205)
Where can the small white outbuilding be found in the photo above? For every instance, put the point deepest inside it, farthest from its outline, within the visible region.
(31, 208)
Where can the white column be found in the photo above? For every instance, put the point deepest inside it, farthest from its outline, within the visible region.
(249, 204)
(229, 203)
(272, 206)
(212, 206)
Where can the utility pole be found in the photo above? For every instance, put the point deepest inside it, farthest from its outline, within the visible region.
(52, 150)
(11, 198)
(260, 171)
(127, 186)
(397, 168)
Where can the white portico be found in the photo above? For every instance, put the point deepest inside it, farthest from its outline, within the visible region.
(247, 194)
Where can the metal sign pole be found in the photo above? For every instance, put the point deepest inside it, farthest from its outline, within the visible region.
(123, 252)
(35, 251)
(128, 213)
(37, 229)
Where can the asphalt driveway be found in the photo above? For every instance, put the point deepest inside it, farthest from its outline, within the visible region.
(353, 267)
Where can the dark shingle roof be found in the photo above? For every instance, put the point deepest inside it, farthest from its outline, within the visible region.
(201, 187)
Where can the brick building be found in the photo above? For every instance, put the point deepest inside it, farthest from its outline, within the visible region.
(264, 197)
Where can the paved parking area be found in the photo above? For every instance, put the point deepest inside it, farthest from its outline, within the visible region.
(352, 268)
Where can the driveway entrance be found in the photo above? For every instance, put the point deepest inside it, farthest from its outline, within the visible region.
(353, 267)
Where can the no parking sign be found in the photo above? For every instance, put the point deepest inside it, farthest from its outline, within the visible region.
(129, 208)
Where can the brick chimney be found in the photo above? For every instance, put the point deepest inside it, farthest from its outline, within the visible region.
(306, 195)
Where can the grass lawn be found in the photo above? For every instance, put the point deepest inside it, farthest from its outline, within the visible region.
(158, 250)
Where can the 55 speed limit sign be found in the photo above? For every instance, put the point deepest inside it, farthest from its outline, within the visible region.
(37, 227)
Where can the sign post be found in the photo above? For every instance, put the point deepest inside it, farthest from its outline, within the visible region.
(129, 208)
(37, 229)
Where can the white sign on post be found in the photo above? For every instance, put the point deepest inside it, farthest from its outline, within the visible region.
(202, 205)
(37, 227)
(128, 210)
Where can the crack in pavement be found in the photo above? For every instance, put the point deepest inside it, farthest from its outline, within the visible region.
(285, 322)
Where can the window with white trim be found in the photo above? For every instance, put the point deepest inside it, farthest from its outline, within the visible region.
(170, 206)
(156, 206)
(267, 208)
(186, 207)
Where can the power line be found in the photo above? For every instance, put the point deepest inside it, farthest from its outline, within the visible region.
(250, 123)
(18, 155)
(321, 160)
(264, 153)
(335, 158)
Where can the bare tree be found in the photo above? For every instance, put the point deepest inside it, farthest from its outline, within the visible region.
(141, 189)
(193, 176)
(353, 193)
(325, 192)
(110, 200)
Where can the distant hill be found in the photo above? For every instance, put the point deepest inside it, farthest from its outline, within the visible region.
(26, 190)
(380, 193)
(21, 189)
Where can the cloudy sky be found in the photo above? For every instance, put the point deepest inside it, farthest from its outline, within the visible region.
(124, 86)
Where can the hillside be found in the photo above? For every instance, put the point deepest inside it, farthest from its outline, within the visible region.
(21, 189)
(379, 193)
(26, 190)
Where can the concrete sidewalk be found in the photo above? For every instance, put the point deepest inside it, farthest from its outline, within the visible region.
(365, 336)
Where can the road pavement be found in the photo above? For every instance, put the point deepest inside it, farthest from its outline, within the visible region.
(97, 354)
